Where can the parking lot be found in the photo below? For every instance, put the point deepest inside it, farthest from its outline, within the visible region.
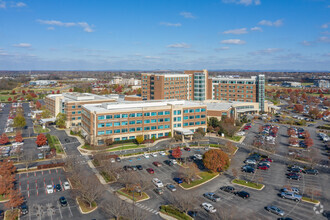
(45, 205)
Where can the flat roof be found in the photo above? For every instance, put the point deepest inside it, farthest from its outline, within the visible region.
(75, 96)
(183, 131)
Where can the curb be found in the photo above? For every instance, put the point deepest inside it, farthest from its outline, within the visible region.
(122, 197)
(166, 216)
(200, 184)
(82, 212)
(310, 202)
(263, 186)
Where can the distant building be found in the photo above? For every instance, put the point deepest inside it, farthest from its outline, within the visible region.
(291, 84)
(322, 83)
(88, 79)
(124, 81)
(43, 82)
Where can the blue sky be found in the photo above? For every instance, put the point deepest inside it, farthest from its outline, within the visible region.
(165, 34)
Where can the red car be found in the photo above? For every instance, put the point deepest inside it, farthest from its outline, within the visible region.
(157, 164)
(246, 128)
(187, 149)
(267, 159)
(263, 167)
(150, 170)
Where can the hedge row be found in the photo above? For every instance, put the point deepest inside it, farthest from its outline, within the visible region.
(173, 211)
(52, 165)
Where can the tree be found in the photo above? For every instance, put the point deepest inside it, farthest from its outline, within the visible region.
(190, 171)
(197, 136)
(114, 206)
(313, 112)
(23, 92)
(169, 134)
(38, 105)
(309, 142)
(216, 160)
(19, 121)
(70, 90)
(46, 114)
(139, 139)
(13, 92)
(4, 139)
(306, 134)
(214, 122)
(291, 132)
(10, 99)
(293, 141)
(58, 92)
(176, 152)
(201, 131)
(15, 199)
(41, 140)
(60, 120)
(18, 137)
(298, 108)
(183, 201)
(7, 176)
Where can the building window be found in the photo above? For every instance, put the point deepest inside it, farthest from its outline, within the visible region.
(138, 129)
(153, 113)
(124, 123)
(138, 114)
(197, 123)
(132, 122)
(203, 116)
(186, 111)
(198, 110)
(100, 125)
(117, 139)
(167, 119)
(101, 117)
(124, 115)
(167, 126)
(73, 118)
(124, 130)
(132, 115)
(131, 137)
(203, 109)
(138, 121)
(108, 124)
(160, 127)
(117, 131)
(191, 117)
(146, 121)
(109, 117)
(160, 113)
(153, 120)
(191, 110)
(160, 120)
(73, 113)
(108, 132)
(191, 123)
(132, 130)
(79, 118)
(116, 124)
(147, 114)
(185, 124)
(185, 117)
(146, 128)
(124, 138)
(167, 112)
(73, 106)
(79, 112)
(116, 116)
(100, 133)
(160, 135)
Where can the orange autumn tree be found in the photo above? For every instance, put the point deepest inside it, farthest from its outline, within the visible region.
(7, 176)
(18, 137)
(4, 139)
(216, 160)
(41, 140)
(15, 199)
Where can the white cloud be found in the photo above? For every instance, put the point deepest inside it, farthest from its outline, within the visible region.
(51, 28)
(236, 31)
(86, 27)
(151, 57)
(276, 23)
(170, 24)
(187, 14)
(12, 4)
(222, 48)
(233, 41)
(256, 29)
(243, 2)
(325, 26)
(179, 45)
(2, 4)
(324, 39)
(19, 4)
(266, 51)
(22, 45)
(306, 43)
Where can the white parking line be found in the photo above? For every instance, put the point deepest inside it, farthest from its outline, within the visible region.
(59, 208)
(70, 209)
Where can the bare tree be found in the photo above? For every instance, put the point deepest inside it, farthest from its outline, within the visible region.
(198, 137)
(183, 201)
(314, 156)
(27, 159)
(111, 169)
(189, 172)
(230, 213)
(115, 206)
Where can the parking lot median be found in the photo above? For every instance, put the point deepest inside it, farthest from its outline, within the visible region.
(138, 197)
(204, 178)
(248, 184)
(84, 207)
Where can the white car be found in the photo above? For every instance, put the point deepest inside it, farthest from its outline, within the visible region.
(146, 156)
(241, 133)
(198, 156)
(208, 207)
(162, 153)
(157, 182)
(112, 160)
(174, 161)
(250, 161)
(49, 189)
(154, 154)
(66, 185)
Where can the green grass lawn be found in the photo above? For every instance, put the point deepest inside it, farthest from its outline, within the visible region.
(55, 143)
(137, 196)
(205, 176)
(38, 129)
(235, 138)
(126, 147)
(249, 184)
(310, 200)
(2, 198)
(172, 211)
(85, 206)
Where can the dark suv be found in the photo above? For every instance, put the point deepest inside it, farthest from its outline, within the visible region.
(243, 194)
(229, 189)
(24, 209)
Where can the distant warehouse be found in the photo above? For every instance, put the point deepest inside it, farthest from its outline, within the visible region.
(43, 82)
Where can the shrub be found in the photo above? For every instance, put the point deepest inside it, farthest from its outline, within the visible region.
(172, 210)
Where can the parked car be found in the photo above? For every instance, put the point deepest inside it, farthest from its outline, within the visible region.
(250, 161)
(58, 188)
(118, 159)
(49, 189)
(150, 170)
(112, 160)
(157, 182)
(294, 176)
(128, 168)
(274, 210)
(198, 156)
(311, 171)
(187, 149)
(263, 167)
(157, 164)
(291, 195)
(292, 189)
(178, 180)
(295, 170)
(134, 168)
(212, 196)
(139, 167)
(63, 201)
(208, 207)
(248, 169)
(285, 218)
(159, 191)
(146, 156)
(66, 185)
(243, 194)
(168, 162)
(174, 161)
(162, 153)
(229, 189)
(192, 213)
(154, 154)
(171, 187)
(24, 209)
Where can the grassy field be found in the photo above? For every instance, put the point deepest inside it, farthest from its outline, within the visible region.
(249, 184)
(205, 176)
(56, 144)
(137, 196)
(5, 97)
(126, 147)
